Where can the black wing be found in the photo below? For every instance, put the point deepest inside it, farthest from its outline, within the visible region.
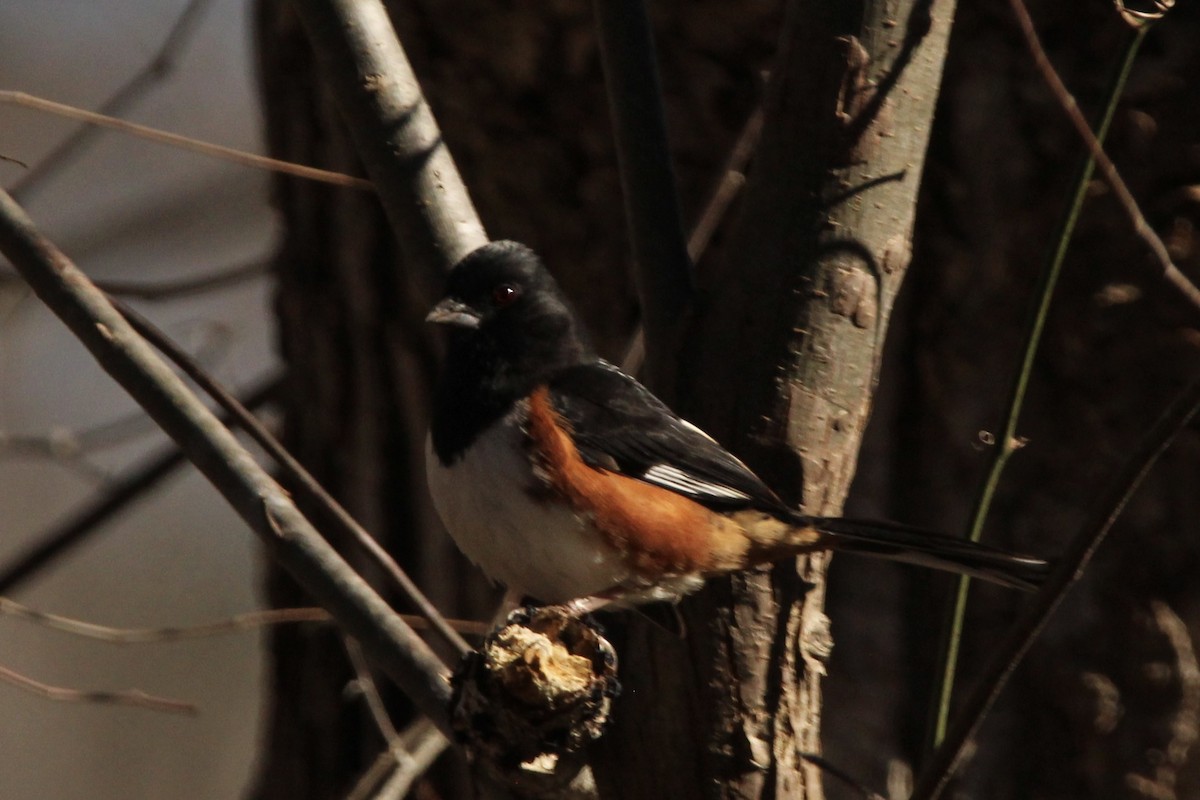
(618, 425)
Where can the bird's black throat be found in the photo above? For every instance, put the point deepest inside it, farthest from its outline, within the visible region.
(487, 371)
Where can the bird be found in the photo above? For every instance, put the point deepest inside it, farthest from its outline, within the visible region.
(569, 482)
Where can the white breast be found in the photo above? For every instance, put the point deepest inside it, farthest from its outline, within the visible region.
(489, 502)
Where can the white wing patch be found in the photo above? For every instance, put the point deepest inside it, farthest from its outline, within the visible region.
(685, 483)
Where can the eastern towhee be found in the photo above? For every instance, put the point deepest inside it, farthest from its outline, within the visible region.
(568, 481)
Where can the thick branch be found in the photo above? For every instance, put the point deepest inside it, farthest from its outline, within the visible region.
(394, 131)
(780, 366)
(257, 498)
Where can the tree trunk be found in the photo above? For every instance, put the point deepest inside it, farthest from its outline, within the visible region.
(794, 304)
(782, 367)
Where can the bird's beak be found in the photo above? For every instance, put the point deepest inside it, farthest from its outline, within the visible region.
(453, 312)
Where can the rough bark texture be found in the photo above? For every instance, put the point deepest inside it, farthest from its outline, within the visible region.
(518, 92)
(360, 369)
(1107, 706)
(781, 368)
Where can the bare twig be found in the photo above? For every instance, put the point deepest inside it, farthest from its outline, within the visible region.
(663, 270)
(729, 185)
(170, 290)
(184, 142)
(131, 697)
(392, 774)
(1008, 442)
(834, 771)
(297, 476)
(368, 784)
(423, 744)
(135, 483)
(395, 133)
(251, 620)
(365, 682)
(160, 66)
(731, 181)
(250, 490)
(937, 773)
(1104, 164)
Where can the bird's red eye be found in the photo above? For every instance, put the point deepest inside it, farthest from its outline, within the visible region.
(504, 295)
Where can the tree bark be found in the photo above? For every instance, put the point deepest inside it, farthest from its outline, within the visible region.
(781, 366)
(519, 94)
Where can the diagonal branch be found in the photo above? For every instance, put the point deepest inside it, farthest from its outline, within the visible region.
(248, 621)
(71, 532)
(1104, 164)
(161, 66)
(130, 697)
(248, 488)
(937, 773)
(394, 132)
(299, 478)
(184, 142)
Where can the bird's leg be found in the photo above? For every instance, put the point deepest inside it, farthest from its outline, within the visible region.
(511, 601)
(582, 606)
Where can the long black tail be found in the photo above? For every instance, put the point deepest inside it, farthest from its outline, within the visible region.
(912, 545)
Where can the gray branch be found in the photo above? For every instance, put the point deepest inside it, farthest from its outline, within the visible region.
(257, 498)
(394, 131)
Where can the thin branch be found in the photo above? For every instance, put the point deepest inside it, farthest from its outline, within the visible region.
(836, 772)
(392, 774)
(1107, 169)
(424, 744)
(937, 773)
(230, 154)
(251, 620)
(368, 784)
(299, 478)
(729, 184)
(250, 490)
(733, 178)
(131, 697)
(663, 270)
(183, 287)
(136, 482)
(427, 204)
(158, 69)
(365, 683)
(1008, 442)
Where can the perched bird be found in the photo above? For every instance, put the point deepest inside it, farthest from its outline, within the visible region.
(568, 481)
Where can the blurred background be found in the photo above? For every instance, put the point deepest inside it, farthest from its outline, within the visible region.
(132, 212)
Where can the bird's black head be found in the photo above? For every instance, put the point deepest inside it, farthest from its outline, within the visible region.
(510, 324)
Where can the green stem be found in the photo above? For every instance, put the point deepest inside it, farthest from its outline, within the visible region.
(1008, 443)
